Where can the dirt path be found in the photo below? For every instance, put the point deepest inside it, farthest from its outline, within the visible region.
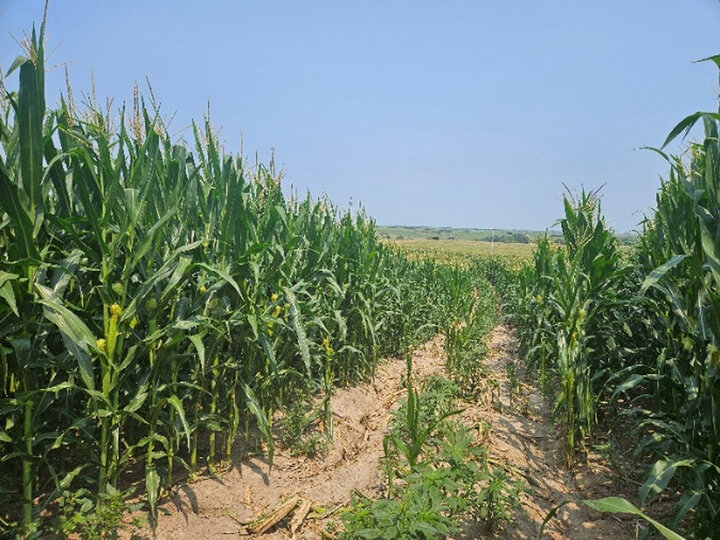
(524, 437)
(520, 435)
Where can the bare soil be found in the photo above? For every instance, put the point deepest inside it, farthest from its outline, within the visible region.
(520, 436)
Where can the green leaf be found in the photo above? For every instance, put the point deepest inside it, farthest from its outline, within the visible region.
(269, 351)
(715, 59)
(137, 401)
(150, 236)
(254, 405)
(618, 505)
(57, 176)
(427, 529)
(6, 290)
(76, 335)
(711, 250)
(684, 125)
(296, 320)
(61, 486)
(658, 273)
(19, 61)
(628, 384)
(222, 274)
(196, 340)
(86, 180)
(150, 284)
(177, 404)
(252, 319)
(31, 109)
(152, 487)
(23, 224)
(686, 503)
(184, 265)
(659, 477)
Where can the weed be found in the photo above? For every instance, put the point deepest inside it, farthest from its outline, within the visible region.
(436, 474)
(294, 427)
(93, 519)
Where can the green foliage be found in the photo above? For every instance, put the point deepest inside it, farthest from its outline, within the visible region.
(483, 491)
(436, 474)
(616, 505)
(418, 512)
(159, 298)
(676, 346)
(639, 336)
(513, 381)
(295, 430)
(465, 339)
(80, 514)
(565, 313)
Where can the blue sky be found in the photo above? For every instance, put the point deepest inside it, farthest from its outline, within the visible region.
(445, 113)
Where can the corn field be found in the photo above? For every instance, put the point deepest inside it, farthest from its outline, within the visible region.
(633, 341)
(159, 300)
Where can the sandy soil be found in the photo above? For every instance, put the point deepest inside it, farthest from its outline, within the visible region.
(521, 436)
(524, 437)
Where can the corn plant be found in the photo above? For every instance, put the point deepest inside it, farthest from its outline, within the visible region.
(641, 336)
(565, 314)
(160, 300)
(443, 474)
(680, 372)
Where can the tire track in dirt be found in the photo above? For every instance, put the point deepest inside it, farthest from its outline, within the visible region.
(218, 507)
(520, 437)
(523, 436)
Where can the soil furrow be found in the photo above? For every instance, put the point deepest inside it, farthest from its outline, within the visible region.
(512, 420)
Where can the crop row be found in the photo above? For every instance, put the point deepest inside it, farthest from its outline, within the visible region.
(158, 300)
(632, 339)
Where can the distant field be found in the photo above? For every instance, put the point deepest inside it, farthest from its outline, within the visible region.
(447, 233)
(496, 236)
(464, 247)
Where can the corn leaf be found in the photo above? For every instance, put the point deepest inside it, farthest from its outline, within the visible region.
(297, 323)
(10, 202)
